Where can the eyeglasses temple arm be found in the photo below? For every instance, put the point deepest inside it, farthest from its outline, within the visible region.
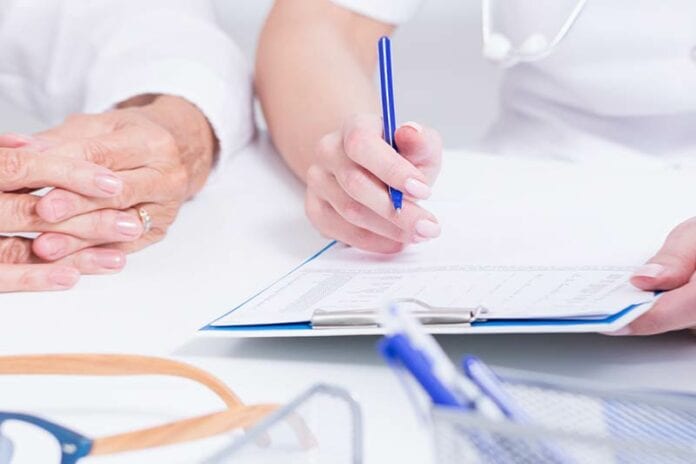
(114, 364)
(183, 430)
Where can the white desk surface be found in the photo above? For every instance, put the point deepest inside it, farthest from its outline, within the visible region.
(244, 230)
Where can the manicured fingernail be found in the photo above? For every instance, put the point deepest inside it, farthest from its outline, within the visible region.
(108, 183)
(427, 228)
(54, 245)
(651, 270)
(108, 259)
(64, 277)
(417, 189)
(413, 125)
(622, 331)
(59, 208)
(128, 225)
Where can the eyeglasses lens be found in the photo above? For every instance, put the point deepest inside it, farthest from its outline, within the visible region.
(25, 443)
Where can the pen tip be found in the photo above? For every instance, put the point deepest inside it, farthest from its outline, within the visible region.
(398, 210)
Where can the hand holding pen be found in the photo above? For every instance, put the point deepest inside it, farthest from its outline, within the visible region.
(348, 196)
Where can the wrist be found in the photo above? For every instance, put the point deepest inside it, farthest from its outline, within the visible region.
(188, 126)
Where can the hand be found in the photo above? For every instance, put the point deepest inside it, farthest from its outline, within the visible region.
(347, 195)
(23, 169)
(672, 269)
(162, 150)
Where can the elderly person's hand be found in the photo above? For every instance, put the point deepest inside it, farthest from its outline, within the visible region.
(162, 149)
(672, 269)
(115, 175)
(23, 169)
(346, 185)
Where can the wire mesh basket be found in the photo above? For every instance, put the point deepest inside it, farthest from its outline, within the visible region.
(323, 425)
(569, 422)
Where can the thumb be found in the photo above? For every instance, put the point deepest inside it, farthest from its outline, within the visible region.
(422, 146)
(674, 264)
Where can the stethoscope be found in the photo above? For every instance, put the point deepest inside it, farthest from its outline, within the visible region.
(498, 48)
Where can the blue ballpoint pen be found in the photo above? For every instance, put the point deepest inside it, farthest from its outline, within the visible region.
(407, 345)
(388, 115)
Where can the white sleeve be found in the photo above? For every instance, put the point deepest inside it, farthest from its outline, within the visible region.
(98, 53)
(388, 11)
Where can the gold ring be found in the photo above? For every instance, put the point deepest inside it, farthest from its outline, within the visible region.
(146, 218)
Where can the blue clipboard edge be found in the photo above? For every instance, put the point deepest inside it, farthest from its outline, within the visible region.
(210, 325)
(508, 323)
(303, 330)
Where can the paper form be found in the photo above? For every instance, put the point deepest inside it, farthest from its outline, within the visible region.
(522, 238)
(503, 292)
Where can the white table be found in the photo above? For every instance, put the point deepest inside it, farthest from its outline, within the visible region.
(244, 230)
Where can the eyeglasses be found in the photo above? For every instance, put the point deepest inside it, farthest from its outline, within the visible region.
(31, 439)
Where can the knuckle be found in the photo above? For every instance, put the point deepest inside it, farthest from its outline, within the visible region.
(101, 221)
(14, 251)
(354, 141)
(127, 197)
(29, 280)
(326, 146)
(12, 165)
(353, 181)
(23, 210)
(351, 210)
(394, 170)
(162, 141)
(98, 153)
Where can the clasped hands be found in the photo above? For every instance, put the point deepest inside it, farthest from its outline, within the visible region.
(153, 152)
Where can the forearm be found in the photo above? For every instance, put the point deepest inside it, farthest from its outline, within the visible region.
(314, 68)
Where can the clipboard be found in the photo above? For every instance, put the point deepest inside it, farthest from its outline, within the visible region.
(437, 320)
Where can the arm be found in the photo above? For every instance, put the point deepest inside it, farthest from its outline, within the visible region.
(314, 77)
(314, 68)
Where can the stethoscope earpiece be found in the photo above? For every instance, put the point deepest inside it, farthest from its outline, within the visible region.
(498, 48)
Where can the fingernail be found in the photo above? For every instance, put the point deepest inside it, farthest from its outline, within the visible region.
(413, 125)
(622, 331)
(427, 228)
(64, 277)
(59, 208)
(108, 183)
(417, 189)
(128, 225)
(109, 259)
(651, 270)
(54, 245)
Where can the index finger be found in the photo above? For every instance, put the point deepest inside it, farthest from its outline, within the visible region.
(363, 143)
(127, 148)
(21, 168)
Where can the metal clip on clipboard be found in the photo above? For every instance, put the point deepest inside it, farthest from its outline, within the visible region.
(429, 315)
